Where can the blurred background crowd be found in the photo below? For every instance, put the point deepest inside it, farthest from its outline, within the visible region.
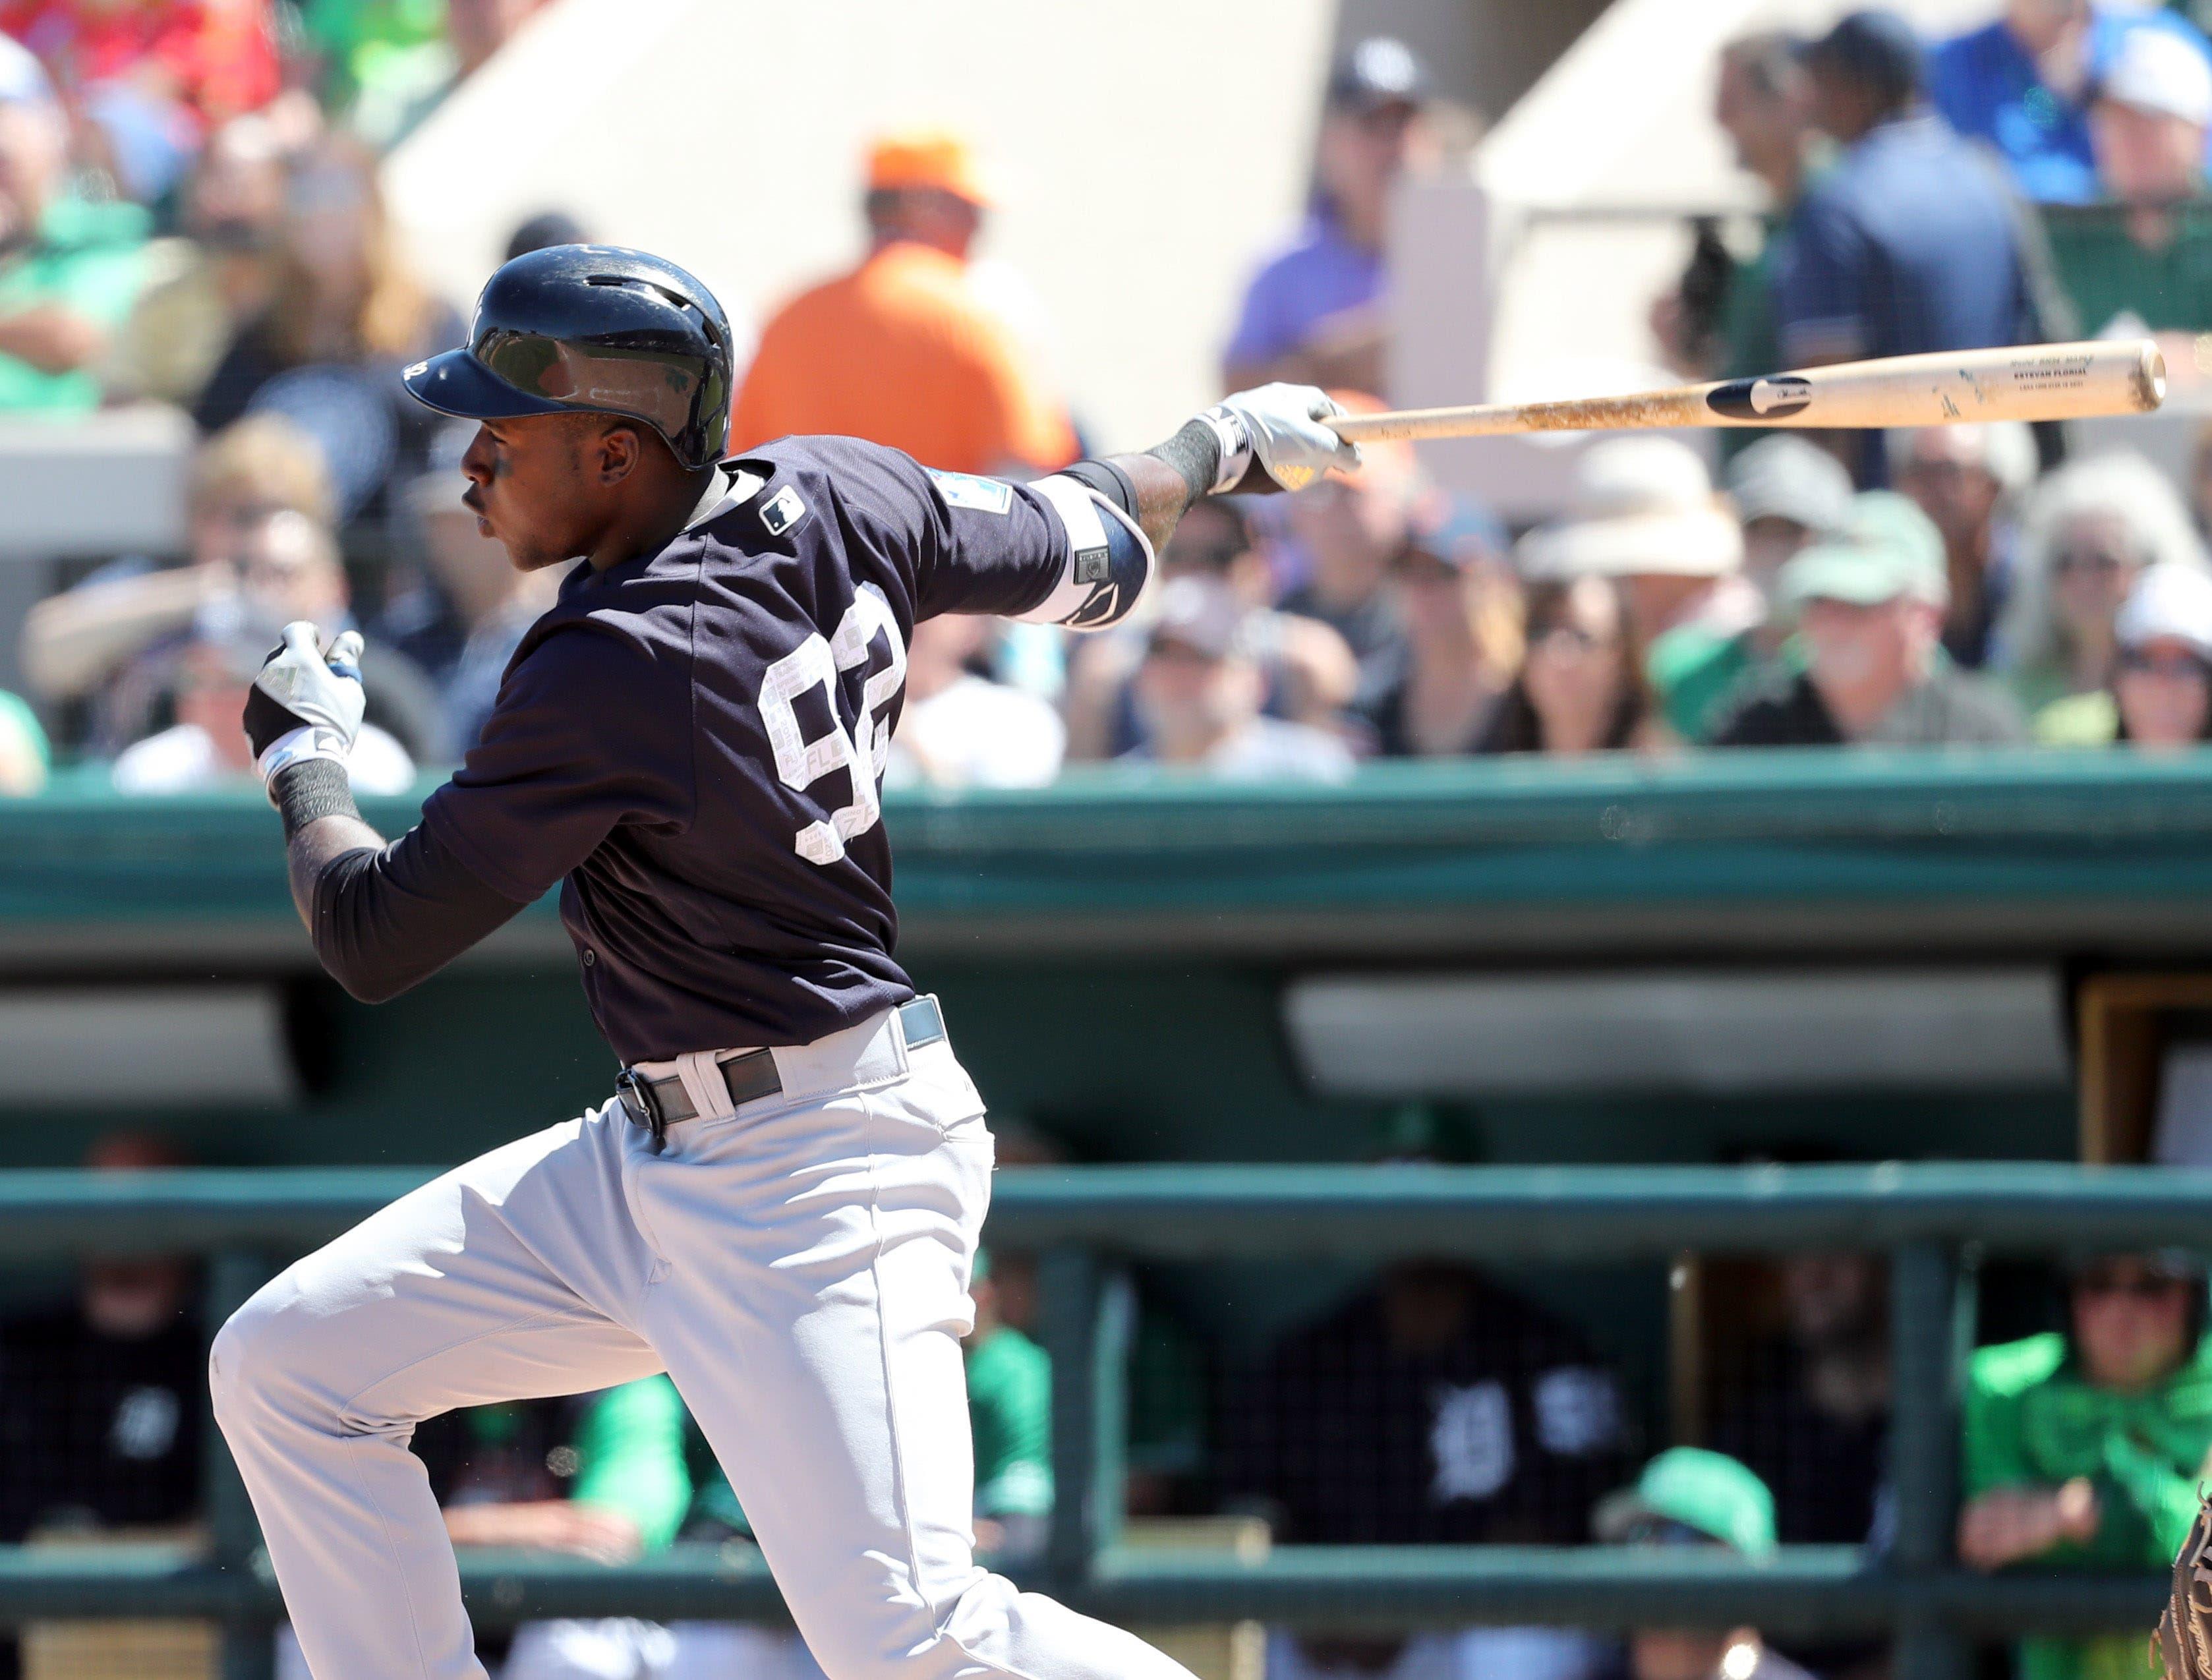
(191, 215)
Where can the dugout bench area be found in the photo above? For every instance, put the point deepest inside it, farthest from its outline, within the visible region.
(1615, 993)
(1934, 1221)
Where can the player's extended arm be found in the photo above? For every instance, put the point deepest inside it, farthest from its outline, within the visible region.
(1115, 513)
(381, 917)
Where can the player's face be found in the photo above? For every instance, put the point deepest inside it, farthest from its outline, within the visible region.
(527, 491)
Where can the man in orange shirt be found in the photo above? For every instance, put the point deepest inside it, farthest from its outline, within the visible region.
(904, 350)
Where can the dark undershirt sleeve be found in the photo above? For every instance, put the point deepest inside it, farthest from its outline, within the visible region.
(384, 920)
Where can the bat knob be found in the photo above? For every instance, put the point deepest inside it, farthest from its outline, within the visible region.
(2150, 376)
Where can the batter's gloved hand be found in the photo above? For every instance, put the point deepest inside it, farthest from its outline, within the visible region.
(305, 704)
(2183, 1640)
(1277, 426)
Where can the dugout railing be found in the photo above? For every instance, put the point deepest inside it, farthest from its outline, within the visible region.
(1090, 1225)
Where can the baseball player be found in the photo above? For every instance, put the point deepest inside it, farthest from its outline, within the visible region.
(780, 1205)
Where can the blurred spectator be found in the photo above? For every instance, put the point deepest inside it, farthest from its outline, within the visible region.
(1199, 693)
(1967, 479)
(103, 1402)
(1353, 528)
(1460, 604)
(1577, 691)
(1909, 243)
(287, 569)
(1433, 1407)
(2200, 480)
(461, 622)
(2152, 270)
(387, 63)
(210, 677)
(599, 1476)
(202, 286)
(1314, 312)
(2083, 1447)
(152, 79)
(2087, 531)
(545, 231)
(2021, 84)
(240, 479)
(25, 757)
(2160, 697)
(1719, 321)
(1311, 674)
(347, 314)
(1687, 1496)
(1812, 1419)
(1787, 494)
(905, 350)
(961, 729)
(1644, 514)
(1869, 609)
(70, 267)
(1010, 1429)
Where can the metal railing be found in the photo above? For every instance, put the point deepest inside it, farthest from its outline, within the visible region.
(1091, 1224)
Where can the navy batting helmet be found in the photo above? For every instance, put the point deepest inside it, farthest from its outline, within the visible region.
(593, 329)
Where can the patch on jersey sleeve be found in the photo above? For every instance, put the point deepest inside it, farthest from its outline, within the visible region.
(964, 489)
(781, 511)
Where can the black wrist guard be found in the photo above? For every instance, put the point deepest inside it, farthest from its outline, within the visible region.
(1109, 480)
(311, 788)
(1195, 453)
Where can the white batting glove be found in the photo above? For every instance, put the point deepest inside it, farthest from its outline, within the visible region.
(304, 704)
(1277, 425)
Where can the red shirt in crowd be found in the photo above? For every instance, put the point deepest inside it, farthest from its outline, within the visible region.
(216, 57)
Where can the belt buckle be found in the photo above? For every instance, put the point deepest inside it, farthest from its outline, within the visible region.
(639, 1102)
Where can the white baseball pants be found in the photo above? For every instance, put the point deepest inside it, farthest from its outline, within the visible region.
(799, 1267)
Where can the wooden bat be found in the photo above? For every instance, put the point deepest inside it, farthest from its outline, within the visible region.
(2027, 382)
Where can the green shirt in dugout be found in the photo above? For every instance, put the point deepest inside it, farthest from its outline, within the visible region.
(2031, 1421)
(1009, 1421)
(87, 258)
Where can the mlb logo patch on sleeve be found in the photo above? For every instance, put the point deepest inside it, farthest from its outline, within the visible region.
(984, 495)
(781, 511)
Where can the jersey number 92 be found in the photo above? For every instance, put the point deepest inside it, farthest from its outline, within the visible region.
(860, 745)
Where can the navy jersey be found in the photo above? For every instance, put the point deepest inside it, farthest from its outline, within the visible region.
(692, 741)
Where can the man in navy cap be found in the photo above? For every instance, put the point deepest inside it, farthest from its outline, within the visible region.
(1909, 244)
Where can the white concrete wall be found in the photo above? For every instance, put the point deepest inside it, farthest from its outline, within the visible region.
(1145, 153)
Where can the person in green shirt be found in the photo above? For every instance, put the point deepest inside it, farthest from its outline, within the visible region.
(70, 268)
(1010, 1423)
(1788, 493)
(607, 1480)
(2084, 1449)
(627, 1488)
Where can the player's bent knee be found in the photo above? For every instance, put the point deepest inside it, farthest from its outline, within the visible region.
(247, 1361)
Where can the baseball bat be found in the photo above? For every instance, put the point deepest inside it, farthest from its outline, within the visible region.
(2027, 382)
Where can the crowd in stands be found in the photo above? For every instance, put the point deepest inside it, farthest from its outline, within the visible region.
(190, 214)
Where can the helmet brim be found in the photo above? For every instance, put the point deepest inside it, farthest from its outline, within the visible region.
(456, 383)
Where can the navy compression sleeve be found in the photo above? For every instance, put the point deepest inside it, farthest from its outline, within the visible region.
(385, 920)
